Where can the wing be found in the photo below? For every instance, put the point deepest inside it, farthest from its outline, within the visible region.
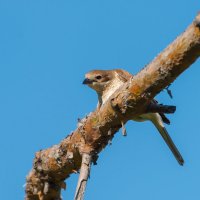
(124, 76)
(164, 118)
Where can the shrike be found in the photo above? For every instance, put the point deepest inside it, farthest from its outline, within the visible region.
(106, 82)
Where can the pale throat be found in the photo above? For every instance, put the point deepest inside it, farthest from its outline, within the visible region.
(110, 89)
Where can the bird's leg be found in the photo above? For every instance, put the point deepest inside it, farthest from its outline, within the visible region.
(83, 177)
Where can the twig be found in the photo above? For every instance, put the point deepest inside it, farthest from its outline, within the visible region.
(169, 92)
(124, 132)
(83, 177)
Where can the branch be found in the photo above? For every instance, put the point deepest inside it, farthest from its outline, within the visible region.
(53, 165)
(83, 177)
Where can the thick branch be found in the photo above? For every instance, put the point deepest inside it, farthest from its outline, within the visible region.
(52, 166)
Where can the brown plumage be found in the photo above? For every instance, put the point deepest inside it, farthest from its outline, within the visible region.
(106, 82)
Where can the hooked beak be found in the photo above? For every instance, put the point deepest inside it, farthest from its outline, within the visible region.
(87, 81)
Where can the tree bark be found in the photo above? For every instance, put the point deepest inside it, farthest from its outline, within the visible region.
(53, 165)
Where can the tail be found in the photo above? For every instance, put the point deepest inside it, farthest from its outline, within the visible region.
(162, 130)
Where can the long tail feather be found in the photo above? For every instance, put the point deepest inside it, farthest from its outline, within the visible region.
(163, 131)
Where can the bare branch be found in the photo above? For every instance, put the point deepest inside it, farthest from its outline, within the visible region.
(83, 177)
(52, 166)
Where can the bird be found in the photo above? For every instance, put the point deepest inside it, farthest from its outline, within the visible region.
(106, 82)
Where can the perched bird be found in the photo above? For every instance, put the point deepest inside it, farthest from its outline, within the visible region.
(106, 82)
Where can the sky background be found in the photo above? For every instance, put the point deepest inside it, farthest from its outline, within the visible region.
(47, 46)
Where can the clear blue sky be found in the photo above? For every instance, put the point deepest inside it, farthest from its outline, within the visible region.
(47, 46)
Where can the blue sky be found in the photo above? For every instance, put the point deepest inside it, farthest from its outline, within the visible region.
(46, 47)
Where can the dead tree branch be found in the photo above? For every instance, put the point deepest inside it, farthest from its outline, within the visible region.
(52, 166)
(83, 177)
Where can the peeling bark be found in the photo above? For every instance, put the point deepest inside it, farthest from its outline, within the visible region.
(53, 165)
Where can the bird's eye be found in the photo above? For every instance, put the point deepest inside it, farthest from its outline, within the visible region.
(98, 77)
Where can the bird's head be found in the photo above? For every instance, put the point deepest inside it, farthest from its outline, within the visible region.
(99, 79)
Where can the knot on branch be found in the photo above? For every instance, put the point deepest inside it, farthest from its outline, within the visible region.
(118, 105)
(114, 104)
